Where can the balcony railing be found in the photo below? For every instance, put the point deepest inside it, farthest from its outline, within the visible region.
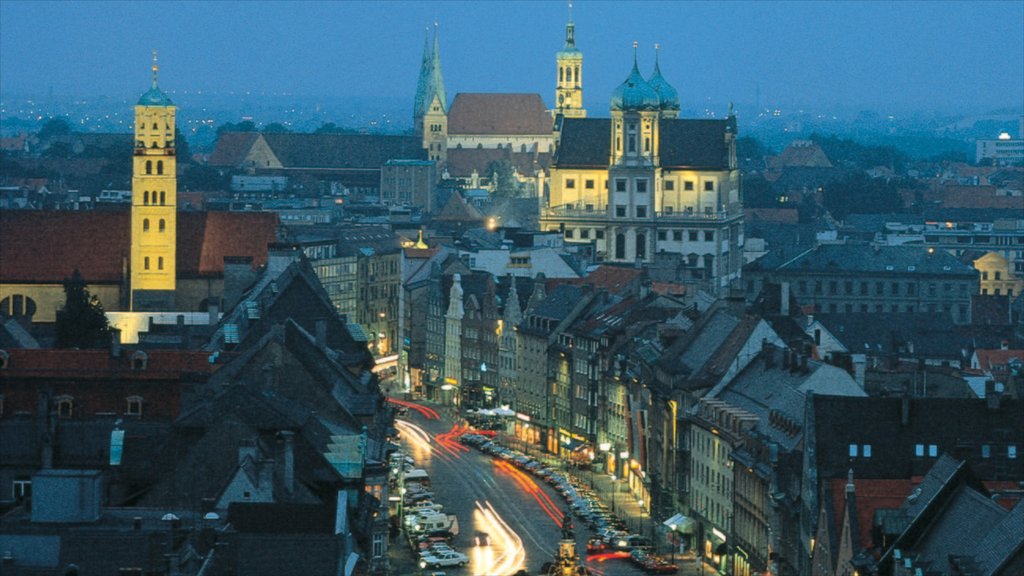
(568, 212)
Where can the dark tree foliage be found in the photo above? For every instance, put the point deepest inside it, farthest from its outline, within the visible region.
(503, 177)
(181, 148)
(54, 127)
(842, 151)
(203, 178)
(750, 148)
(332, 128)
(858, 193)
(275, 128)
(759, 193)
(81, 323)
(246, 126)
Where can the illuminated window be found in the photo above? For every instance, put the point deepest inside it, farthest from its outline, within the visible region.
(853, 451)
(933, 450)
(866, 450)
(1011, 451)
(919, 450)
(986, 451)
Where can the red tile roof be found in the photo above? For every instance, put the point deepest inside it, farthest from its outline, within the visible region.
(871, 495)
(99, 364)
(45, 247)
(996, 360)
(463, 161)
(615, 279)
(523, 114)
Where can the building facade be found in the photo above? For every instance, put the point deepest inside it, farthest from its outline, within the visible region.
(646, 183)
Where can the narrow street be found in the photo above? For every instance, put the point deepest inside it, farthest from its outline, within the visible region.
(517, 513)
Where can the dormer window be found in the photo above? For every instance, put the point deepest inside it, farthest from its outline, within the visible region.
(65, 406)
(139, 360)
(134, 406)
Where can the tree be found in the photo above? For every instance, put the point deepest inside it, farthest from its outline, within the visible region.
(275, 128)
(54, 127)
(246, 126)
(503, 178)
(181, 147)
(81, 323)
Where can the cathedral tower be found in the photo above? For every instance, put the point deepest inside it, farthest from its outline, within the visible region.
(154, 202)
(569, 89)
(430, 114)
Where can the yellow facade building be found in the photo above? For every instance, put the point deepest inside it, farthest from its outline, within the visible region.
(153, 262)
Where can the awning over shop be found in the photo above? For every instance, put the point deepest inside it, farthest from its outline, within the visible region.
(683, 524)
(575, 444)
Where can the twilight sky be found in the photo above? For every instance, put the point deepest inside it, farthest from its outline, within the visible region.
(900, 56)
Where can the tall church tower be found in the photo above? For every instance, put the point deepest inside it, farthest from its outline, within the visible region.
(430, 114)
(569, 89)
(154, 202)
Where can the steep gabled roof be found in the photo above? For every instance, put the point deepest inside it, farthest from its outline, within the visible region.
(498, 114)
(231, 148)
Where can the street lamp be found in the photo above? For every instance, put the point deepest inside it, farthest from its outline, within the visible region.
(613, 491)
(672, 527)
(640, 503)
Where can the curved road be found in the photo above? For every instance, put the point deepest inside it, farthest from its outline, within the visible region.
(520, 513)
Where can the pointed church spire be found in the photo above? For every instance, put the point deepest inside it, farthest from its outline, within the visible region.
(570, 31)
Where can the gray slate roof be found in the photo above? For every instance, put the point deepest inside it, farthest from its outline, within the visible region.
(861, 258)
(586, 142)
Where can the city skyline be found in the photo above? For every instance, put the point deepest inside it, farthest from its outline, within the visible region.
(948, 56)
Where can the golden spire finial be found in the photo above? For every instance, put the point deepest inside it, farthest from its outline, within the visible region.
(156, 68)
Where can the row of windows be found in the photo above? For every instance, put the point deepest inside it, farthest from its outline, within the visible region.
(641, 185)
(663, 235)
(148, 198)
(159, 263)
(159, 165)
(865, 288)
(931, 450)
(66, 406)
(162, 225)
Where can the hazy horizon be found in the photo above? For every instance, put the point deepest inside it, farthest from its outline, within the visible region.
(943, 56)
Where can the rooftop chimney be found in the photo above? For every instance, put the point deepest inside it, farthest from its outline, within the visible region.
(784, 299)
(288, 461)
(321, 333)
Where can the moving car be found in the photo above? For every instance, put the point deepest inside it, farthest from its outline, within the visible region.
(444, 559)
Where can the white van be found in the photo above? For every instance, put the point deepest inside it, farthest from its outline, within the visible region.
(422, 523)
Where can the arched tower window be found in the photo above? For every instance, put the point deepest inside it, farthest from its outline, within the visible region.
(568, 74)
(154, 126)
(145, 224)
(163, 225)
(620, 246)
(159, 166)
(145, 197)
(160, 263)
(561, 74)
(149, 165)
(162, 198)
(577, 75)
(145, 263)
